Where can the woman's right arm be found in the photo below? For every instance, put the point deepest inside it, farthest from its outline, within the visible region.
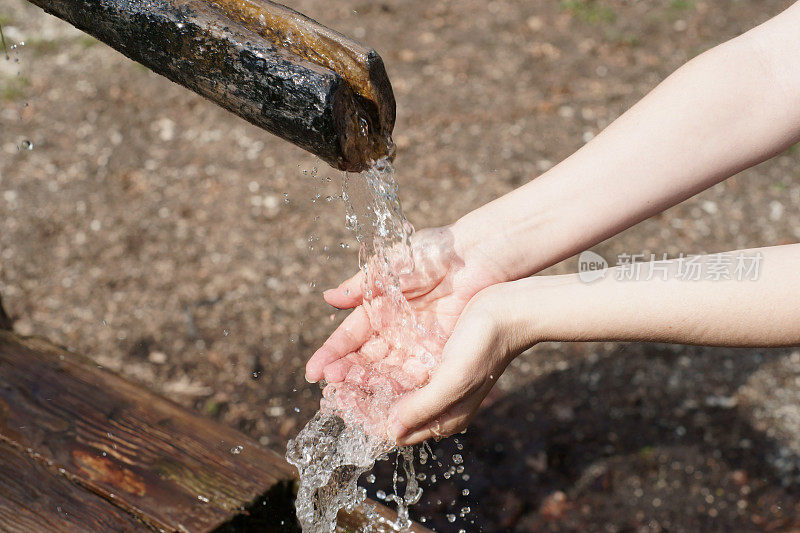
(726, 110)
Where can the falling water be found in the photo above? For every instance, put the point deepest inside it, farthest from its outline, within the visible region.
(345, 438)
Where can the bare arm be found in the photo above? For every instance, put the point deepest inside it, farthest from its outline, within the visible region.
(764, 311)
(724, 111)
(760, 309)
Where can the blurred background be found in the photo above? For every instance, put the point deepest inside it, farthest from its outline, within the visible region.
(187, 250)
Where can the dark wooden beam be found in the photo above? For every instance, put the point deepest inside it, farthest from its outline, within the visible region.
(267, 63)
(147, 457)
(35, 497)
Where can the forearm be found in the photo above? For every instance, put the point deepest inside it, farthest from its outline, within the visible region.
(726, 110)
(749, 312)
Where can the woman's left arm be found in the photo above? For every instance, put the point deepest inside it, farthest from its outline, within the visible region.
(742, 298)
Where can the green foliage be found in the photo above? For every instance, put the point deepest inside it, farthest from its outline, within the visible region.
(87, 41)
(622, 39)
(13, 87)
(212, 408)
(3, 40)
(41, 46)
(647, 453)
(681, 5)
(590, 11)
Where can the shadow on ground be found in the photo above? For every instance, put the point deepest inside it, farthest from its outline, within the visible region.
(645, 437)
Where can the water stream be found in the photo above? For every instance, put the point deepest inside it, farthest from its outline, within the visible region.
(348, 434)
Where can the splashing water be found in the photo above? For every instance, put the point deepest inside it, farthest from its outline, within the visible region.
(349, 433)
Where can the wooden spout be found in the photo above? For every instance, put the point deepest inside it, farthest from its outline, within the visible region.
(272, 66)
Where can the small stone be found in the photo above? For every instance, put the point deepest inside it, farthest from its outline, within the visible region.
(157, 357)
(555, 505)
(740, 477)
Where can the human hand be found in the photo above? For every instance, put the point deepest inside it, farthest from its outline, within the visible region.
(489, 334)
(371, 356)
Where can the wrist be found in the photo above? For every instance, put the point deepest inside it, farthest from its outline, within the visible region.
(545, 308)
(532, 227)
(520, 314)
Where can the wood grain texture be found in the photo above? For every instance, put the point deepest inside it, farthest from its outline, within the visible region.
(211, 48)
(34, 498)
(173, 469)
(153, 461)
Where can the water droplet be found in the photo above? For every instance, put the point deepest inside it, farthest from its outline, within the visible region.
(381, 495)
(451, 518)
(457, 459)
(26, 145)
(465, 492)
(371, 478)
(203, 498)
(236, 450)
(296, 409)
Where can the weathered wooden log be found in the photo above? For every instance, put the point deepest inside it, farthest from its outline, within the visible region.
(265, 62)
(128, 457)
(35, 497)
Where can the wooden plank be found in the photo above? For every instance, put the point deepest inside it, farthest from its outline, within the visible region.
(237, 54)
(359, 65)
(168, 467)
(37, 498)
(172, 468)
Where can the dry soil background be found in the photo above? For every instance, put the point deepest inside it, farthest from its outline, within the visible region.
(187, 250)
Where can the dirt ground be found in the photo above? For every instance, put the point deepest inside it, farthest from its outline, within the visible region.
(176, 244)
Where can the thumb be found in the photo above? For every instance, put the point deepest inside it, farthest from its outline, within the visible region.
(348, 294)
(456, 378)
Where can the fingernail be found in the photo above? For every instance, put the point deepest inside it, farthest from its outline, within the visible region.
(396, 430)
(309, 379)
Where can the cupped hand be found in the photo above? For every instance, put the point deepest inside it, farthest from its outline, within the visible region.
(387, 346)
(487, 337)
(446, 275)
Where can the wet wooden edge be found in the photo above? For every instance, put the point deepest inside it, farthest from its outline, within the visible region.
(142, 453)
(198, 45)
(35, 497)
(361, 66)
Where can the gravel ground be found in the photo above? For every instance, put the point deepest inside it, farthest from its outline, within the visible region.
(187, 250)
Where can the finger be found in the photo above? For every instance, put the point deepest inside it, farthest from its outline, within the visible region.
(336, 372)
(420, 408)
(348, 337)
(453, 422)
(448, 386)
(347, 295)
